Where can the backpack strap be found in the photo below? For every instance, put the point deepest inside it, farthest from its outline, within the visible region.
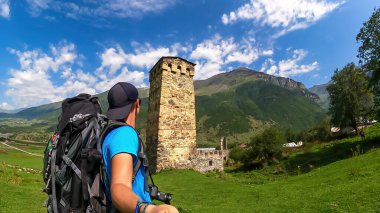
(54, 192)
(70, 163)
(87, 137)
(143, 161)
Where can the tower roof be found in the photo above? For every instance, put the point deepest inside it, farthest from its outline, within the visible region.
(171, 57)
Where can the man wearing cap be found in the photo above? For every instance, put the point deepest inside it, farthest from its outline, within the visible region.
(120, 149)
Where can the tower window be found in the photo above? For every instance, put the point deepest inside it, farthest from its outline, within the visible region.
(210, 162)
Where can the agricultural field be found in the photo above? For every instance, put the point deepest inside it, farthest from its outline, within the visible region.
(344, 177)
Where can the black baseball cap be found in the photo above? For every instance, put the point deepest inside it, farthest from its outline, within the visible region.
(120, 99)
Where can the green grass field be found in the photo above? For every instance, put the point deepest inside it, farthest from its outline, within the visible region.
(340, 181)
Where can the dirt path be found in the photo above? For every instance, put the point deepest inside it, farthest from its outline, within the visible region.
(29, 153)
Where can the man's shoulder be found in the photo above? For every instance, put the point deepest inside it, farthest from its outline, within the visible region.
(124, 129)
(125, 136)
(122, 132)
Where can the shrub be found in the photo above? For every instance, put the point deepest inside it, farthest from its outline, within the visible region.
(265, 148)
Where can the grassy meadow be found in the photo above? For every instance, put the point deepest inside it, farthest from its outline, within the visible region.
(338, 176)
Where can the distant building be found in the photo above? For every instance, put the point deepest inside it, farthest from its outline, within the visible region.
(293, 144)
(210, 159)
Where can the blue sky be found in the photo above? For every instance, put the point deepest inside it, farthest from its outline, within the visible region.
(50, 50)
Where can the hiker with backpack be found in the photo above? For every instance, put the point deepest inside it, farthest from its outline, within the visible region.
(120, 152)
(96, 164)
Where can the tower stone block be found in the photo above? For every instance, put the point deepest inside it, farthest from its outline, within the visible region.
(171, 131)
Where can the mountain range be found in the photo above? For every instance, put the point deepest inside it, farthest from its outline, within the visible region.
(236, 104)
(321, 91)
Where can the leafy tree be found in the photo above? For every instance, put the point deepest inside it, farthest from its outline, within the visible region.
(265, 147)
(320, 132)
(237, 154)
(369, 53)
(291, 136)
(350, 97)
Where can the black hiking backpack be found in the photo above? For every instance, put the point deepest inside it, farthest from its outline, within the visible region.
(73, 170)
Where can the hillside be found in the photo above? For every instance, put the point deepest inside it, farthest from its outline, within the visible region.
(236, 104)
(225, 81)
(250, 107)
(321, 91)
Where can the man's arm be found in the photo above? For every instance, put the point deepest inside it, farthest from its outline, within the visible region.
(121, 183)
(121, 187)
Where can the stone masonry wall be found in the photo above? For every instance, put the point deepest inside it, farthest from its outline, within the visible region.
(204, 161)
(171, 131)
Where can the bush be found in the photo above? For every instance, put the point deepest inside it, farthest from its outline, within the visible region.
(321, 132)
(265, 148)
(237, 154)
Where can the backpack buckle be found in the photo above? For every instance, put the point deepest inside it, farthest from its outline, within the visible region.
(84, 153)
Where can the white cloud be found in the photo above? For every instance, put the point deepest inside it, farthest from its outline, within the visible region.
(212, 55)
(4, 9)
(101, 8)
(132, 8)
(62, 56)
(134, 77)
(32, 84)
(5, 106)
(146, 56)
(49, 77)
(267, 52)
(116, 62)
(289, 67)
(283, 15)
(113, 59)
(37, 6)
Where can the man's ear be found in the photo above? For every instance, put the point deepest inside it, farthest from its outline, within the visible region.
(137, 106)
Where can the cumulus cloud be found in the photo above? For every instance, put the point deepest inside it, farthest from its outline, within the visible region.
(112, 60)
(283, 15)
(116, 62)
(146, 56)
(289, 67)
(101, 8)
(4, 9)
(4, 106)
(32, 83)
(212, 55)
(45, 77)
(134, 77)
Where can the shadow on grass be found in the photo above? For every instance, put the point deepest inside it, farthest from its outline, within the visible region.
(329, 153)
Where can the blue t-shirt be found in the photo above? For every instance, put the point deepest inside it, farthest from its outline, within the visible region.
(124, 140)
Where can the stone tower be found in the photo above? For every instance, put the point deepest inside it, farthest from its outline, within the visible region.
(171, 132)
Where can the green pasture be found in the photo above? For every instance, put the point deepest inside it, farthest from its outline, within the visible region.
(344, 177)
(15, 157)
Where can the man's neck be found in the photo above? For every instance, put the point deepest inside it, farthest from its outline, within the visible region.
(131, 120)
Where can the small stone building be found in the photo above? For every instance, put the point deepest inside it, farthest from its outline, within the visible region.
(209, 159)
